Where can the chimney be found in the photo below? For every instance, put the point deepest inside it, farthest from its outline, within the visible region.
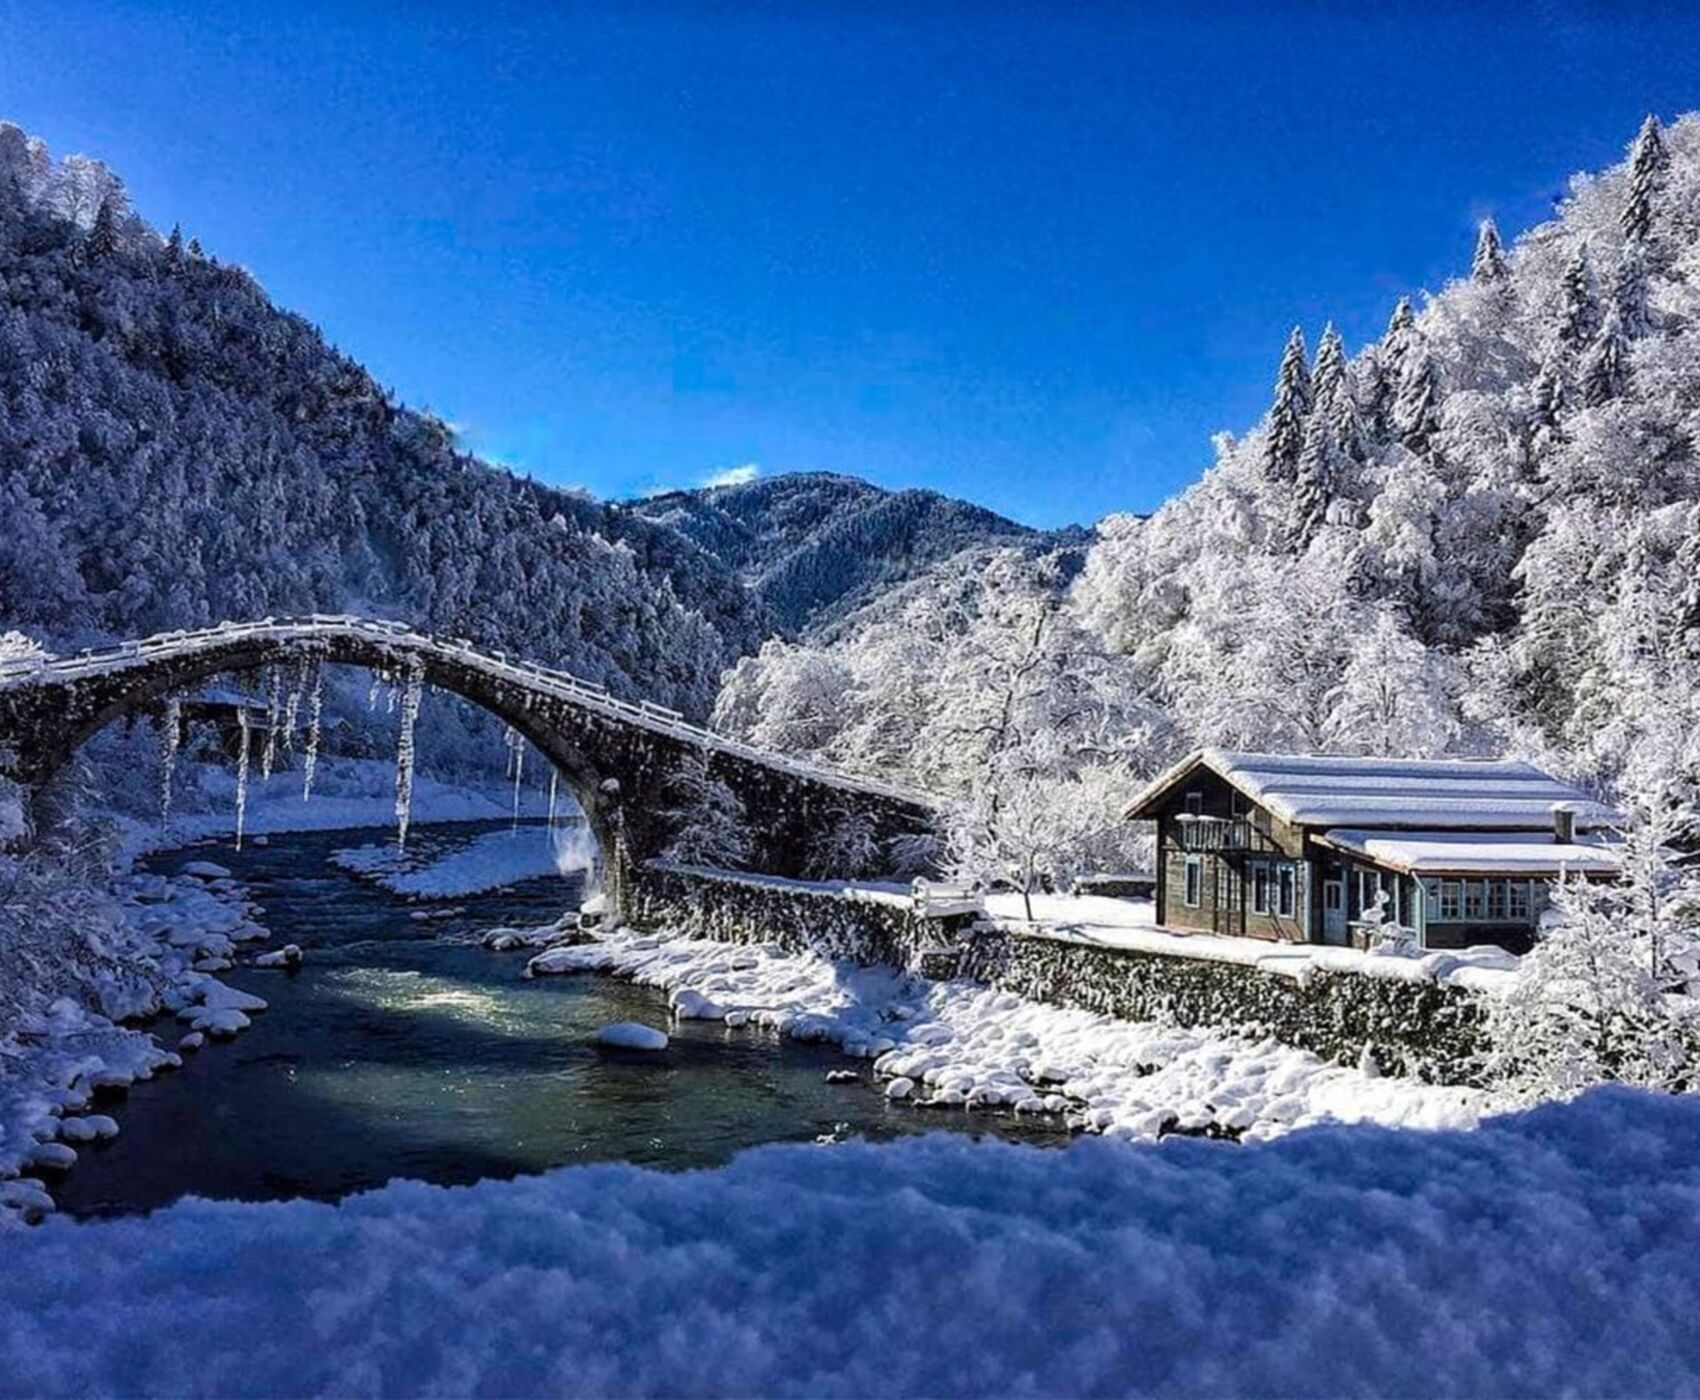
(1563, 823)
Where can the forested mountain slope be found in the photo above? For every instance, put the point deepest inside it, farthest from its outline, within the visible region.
(175, 450)
(814, 546)
(1480, 533)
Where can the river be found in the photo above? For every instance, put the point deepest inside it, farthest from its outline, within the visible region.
(403, 1048)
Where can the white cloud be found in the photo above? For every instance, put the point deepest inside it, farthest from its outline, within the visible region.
(733, 476)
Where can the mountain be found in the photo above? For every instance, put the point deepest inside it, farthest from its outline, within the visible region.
(1478, 534)
(815, 546)
(176, 450)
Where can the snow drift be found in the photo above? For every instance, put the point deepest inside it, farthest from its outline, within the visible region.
(1544, 1253)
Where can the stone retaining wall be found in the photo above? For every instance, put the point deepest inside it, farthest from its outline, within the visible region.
(1415, 1028)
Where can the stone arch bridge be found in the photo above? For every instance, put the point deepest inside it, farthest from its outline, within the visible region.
(620, 759)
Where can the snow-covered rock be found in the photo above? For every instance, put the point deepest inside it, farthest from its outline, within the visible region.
(631, 1035)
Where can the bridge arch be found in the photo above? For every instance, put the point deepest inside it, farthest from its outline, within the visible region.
(618, 758)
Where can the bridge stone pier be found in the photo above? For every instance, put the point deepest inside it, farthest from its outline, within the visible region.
(619, 759)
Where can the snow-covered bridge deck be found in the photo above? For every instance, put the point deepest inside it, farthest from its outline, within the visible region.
(620, 757)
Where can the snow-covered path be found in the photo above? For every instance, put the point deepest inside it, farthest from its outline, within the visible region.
(1550, 1253)
(961, 1043)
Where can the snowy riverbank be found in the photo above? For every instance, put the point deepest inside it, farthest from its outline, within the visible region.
(959, 1044)
(1545, 1253)
(160, 943)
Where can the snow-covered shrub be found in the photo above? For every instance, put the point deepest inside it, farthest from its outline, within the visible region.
(707, 819)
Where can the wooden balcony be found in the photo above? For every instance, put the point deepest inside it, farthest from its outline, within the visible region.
(1216, 835)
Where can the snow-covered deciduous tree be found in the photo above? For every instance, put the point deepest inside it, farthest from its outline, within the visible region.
(1393, 698)
(1592, 1001)
(1686, 619)
(1026, 825)
(707, 821)
(22, 652)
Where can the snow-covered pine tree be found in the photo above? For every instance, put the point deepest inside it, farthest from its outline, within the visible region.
(1386, 365)
(1629, 293)
(102, 239)
(1488, 263)
(1579, 306)
(1547, 396)
(1647, 161)
(1606, 372)
(1332, 400)
(1287, 415)
(1416, 410)
(1313, 483)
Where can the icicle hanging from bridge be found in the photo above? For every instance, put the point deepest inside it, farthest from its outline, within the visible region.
(274, 712)
(315, 712)
(404, 757)
(170, 736)
(516, 765)
(292, 709)
(554, 779)
(243, 728)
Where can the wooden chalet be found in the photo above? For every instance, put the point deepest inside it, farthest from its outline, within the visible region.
(1299, 847)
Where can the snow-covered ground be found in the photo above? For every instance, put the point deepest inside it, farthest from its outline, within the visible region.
(490, 860)
(960, 1044)
(1543, 1254)
(1132, 923)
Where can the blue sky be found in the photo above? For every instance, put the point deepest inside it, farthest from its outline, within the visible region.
(1029, 255)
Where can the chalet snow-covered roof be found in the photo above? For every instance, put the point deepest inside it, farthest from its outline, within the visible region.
(1417, 793)
(1478, 852)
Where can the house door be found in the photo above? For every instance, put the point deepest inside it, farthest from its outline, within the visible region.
(1334, 908)
(1230, 899)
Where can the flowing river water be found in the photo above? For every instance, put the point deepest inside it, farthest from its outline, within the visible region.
(403, 1048)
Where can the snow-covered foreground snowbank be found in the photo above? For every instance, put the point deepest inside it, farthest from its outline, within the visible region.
(488, 861)
(1549, 1253)
(961, 1043)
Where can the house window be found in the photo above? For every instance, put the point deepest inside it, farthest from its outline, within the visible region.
(1286, 890)
(1475, 903)
(1195, 804)
(1238, 806)
(1451, 902)
(1496, 892)
(1260, 887)
(1517, 900)
(1194, 881)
